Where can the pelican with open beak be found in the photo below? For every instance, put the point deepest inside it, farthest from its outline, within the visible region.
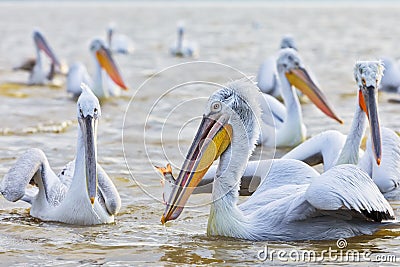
(107, 79)
(340, 203)
(382, 154)
(82, 193)
(282, 125)
(212, 139)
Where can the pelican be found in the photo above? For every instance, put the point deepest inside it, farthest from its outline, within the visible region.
(105, 65)
(182, 47)
(382, 156)
(82, 193)
(286, 122)
(119, 43)
(340, 203)
(34, 66)
(267, 77)
(391, 78)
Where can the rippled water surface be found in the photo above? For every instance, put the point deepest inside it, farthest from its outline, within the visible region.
(162, 117)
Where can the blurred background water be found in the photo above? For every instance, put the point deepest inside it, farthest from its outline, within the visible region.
(161, 119)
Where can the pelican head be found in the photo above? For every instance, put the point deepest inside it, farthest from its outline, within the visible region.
(88, 115)
(42, 45)
(288, 42)
(290, 63)
(232, 108)
(105, 60)
(368, 75)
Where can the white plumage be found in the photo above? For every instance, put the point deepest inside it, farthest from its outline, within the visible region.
(38, 74)
(332, 147)
(340, 203)
(282, 124)
(391, 78)
(119, 43)
(107, 80)
(267, 77)
(183, 47)
(71, 196)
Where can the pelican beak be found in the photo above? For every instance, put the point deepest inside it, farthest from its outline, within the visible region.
(106, 61)
(212, 139)
(42, 44)
(300, 79)
(88, 126)
(369, 104)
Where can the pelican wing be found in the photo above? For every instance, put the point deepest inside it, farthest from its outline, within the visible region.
(387, 175)
(346, 189)
(268, 173)
(32, 166)
(280, 178)
(108, 192)
(322, 148)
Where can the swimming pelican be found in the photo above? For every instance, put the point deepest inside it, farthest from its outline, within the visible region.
(35, 67)
(381, 159)
(119, 43)
(82, 193)
(182, 47)
(340, 203)
(391, 78)
(105, 64)
(267, 77)
(286, 122)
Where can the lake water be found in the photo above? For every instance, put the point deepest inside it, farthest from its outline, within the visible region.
(162, 113)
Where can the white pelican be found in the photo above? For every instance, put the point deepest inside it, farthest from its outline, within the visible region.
(391, 78)
(82, 193)
(267, 77)
(286, 122)
(342, 202)
(182, 47)
(119, 43)
(34, 66)
(382, 157)
(105, 65)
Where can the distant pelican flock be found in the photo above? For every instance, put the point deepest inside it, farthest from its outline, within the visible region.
(82, 193)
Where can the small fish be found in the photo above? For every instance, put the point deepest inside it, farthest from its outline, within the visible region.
(167, 181)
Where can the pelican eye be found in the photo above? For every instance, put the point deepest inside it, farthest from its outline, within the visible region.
(95, 111)
(80, 112)
(216, 106)
(363, 81)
